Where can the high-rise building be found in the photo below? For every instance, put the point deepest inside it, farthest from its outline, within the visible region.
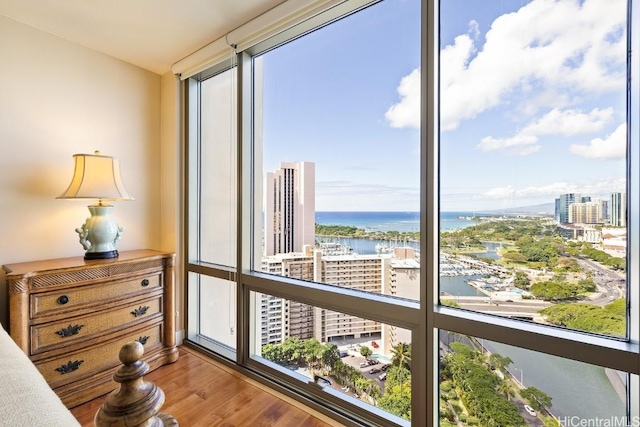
(586, 213)
(362, 272)
(290, 208)
(281, 319)
(562, 206)
(289, 229)
(404, 272)
(618, 209)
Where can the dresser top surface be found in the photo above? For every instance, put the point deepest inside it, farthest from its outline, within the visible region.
(20, 269)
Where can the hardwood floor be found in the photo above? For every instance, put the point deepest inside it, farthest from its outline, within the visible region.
(200, 392)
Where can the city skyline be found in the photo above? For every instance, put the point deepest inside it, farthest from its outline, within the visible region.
(548, 115)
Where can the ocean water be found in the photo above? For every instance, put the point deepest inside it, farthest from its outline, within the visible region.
(392, 221)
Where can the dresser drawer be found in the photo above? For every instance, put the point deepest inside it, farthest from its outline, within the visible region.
(50, 302)
(61, 333)
(83, 363)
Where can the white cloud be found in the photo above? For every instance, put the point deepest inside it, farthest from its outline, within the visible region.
(407, 112)
(498, 193)
(474, 29)
(613, 147)
(520, 144)
(570, 122)
(575, 49)
(555, 122)
(553, 190)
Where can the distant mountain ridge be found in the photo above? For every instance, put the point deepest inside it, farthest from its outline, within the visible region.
(544, 208)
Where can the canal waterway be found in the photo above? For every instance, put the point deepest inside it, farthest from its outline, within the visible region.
(577, 389)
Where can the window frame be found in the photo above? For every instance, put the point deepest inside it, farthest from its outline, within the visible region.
(425, 318)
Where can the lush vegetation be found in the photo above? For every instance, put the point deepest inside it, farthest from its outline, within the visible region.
(559, 289)
(537, 398)
(616, 263)
(484, 395)
(397, 389)
(532, 242)
(325, 359)
(354, 232)
(607, 320)
(502, 230)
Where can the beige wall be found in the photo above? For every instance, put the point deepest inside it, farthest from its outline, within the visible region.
(57, 99)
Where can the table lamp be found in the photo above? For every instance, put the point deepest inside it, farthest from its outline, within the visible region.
(97, 177)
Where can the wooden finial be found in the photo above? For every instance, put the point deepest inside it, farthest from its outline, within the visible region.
(136, 402)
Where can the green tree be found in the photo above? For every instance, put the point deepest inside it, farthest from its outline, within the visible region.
(365, 351)
(507, 390)
(397, 400)
(312, 353)
(397, 375)
(521, 280)
(537, 398)
(274, 353)
(401, 355)
(449, 303)
(609, 320)
(500, 362)
(330, 355)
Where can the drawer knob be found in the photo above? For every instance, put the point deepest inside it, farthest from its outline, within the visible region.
(62, 299)
(69, 330)
(140, 311)
(69, 367)
(143, 340)
(145, 282)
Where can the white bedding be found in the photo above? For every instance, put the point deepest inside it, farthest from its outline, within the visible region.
(26, 400)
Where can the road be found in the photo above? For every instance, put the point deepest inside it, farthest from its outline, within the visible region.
(611, 284)
(520, 308)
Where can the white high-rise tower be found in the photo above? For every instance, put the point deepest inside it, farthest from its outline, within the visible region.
(290, 208)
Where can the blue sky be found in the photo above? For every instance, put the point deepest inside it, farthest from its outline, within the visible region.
(528, 111)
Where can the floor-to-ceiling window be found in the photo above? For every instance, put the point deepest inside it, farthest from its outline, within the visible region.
(420, 212)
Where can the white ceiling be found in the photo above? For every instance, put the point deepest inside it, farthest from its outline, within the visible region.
(152, 34)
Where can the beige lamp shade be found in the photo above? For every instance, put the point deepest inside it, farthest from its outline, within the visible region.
(96, 177)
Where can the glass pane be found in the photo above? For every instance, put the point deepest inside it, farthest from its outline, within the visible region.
(216, 306)
(349, 356)
(217, 213)
(533, 161)
(488, 383)
(337, 172)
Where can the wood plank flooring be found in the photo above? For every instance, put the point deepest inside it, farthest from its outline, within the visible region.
(200, 392)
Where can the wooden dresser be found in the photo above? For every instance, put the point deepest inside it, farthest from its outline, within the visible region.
(71, 316)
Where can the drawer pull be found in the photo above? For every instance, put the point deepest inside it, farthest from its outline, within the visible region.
(145, 282)
(62, 299)
(143, 340)
(69, 330)
(140, 311)
(69, 367)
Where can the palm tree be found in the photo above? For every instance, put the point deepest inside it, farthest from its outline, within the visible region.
(401, 355)
(506, 389)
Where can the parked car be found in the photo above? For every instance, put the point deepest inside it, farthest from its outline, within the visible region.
(385, 367)
(372, 362)
(530, 410)
(363, 364)
(374, 370)
(383, 376)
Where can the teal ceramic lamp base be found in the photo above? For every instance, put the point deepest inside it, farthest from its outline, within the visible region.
(100, 233)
